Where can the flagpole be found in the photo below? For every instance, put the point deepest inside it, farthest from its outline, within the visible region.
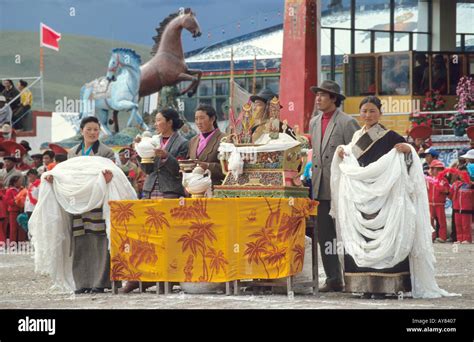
(41, 76)
(231, 100)
(50, 41)
(254, 80)
(41, 66)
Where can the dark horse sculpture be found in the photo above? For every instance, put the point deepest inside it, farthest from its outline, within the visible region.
(167, 66)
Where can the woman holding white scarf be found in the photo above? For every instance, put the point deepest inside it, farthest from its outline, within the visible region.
(91, 257)
(381, 211)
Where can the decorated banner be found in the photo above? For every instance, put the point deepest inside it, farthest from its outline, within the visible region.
(208, 240)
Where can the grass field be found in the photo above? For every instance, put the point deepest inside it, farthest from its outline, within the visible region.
(79, 60)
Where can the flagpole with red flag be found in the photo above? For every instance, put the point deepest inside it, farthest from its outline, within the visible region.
(41, 75)
(48, 38)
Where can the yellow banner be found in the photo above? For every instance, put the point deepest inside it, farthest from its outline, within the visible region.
(208, 240)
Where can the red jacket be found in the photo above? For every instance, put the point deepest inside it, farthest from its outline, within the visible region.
(10, 199)
(438, 190)
(463, 196)
(466, 198)
(454, 194)
(3, 205)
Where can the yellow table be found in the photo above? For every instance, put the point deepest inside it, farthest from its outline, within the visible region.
(208, 240)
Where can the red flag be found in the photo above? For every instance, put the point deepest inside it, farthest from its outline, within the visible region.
(49, 37)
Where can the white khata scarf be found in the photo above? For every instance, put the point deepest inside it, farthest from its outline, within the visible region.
(401, 201)
(78, 187)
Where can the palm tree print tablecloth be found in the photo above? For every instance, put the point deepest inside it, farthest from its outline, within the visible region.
(208, 240)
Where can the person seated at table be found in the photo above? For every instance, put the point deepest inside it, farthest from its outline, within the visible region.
(204, 147)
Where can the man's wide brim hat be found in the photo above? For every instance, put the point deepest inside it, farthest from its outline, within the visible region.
(57, 149)
(468, 155)
(330, 87)
(13, 159)
(420, 132)
(12, 149)
(26, 145)
(6, 128)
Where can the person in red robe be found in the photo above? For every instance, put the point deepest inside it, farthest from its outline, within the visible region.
(3, 213)
(438, 190)
(16, 233)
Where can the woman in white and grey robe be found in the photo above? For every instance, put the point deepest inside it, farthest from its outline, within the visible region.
(369, 144)
(91, 257)
(381, 210)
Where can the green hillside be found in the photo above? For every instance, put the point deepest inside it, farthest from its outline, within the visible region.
(80, 59)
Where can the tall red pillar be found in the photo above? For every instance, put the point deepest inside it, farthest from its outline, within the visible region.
(299, 69)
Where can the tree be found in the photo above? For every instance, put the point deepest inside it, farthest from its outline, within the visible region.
(218, 261)
(156, 219)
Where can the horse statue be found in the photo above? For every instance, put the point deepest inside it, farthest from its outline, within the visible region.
(117, 91)
(167, 66)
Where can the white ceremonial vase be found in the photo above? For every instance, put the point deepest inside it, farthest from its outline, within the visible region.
(198, 182)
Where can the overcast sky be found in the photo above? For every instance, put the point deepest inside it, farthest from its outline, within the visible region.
(134, 21)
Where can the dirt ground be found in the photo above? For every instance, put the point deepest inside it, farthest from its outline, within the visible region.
(21, 288)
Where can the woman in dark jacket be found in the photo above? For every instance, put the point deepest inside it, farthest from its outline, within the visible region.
(164, 181)
(204, 147)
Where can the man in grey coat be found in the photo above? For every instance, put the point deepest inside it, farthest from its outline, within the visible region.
(329, 128)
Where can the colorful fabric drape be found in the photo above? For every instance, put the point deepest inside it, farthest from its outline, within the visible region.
(208, 240)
